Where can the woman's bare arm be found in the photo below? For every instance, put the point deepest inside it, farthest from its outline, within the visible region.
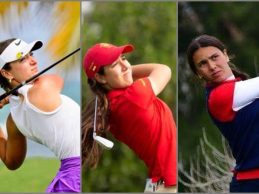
(13, 149)
(158, 74)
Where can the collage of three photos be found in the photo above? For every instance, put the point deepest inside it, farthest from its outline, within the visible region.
(129, 96)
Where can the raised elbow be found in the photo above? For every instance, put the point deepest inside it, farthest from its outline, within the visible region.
(167, 73)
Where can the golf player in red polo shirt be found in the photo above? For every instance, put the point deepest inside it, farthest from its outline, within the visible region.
(127, 105)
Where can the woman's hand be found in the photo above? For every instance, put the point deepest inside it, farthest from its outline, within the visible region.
(4, 102)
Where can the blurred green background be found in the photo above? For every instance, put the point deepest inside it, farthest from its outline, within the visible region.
(33, 176)
(151, 28)
(235, 23)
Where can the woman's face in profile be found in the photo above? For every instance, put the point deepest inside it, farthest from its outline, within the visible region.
(212, 64)
(119, 74)
(24, 68)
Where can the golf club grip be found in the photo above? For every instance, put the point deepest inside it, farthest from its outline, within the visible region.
(35, 76)
(6, 94)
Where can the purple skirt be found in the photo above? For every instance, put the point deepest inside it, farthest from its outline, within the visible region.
(68, 177)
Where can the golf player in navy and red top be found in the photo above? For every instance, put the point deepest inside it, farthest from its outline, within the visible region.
(233, 104)
(135, 115)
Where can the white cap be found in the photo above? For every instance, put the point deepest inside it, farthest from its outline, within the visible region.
(17, 50)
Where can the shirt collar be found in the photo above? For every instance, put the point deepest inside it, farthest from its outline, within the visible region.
(228, 80)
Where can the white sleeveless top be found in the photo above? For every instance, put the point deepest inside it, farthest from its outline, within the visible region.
(59, 130)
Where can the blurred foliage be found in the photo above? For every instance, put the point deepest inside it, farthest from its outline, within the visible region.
(7, 5)
(151, 28)
(57, 24)
(68, 29)
(235, 24)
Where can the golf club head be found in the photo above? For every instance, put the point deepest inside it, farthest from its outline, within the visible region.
(105, 143)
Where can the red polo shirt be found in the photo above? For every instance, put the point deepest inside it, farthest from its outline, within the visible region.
(145, 123)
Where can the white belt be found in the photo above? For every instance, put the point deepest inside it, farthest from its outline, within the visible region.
(152, 187)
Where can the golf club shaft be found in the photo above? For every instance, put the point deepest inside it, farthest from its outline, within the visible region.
(37, 75)
(101, 140)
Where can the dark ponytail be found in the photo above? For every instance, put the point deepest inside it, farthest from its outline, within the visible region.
(4, 83)
(237, 72)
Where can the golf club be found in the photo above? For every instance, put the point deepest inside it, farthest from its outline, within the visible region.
(35, 76)
(105, 143)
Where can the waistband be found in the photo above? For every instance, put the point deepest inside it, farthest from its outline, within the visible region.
(152, 186)
(67, 178)
(70, 163)
(247, 174)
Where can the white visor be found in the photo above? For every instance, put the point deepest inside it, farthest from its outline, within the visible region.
(17, 50)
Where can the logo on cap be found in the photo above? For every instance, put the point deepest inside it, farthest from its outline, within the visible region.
(92, 67)
(19, 55)
(18, 43)
(105, 45)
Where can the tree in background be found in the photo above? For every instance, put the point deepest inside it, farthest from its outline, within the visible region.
(151, 28)
(235, 24)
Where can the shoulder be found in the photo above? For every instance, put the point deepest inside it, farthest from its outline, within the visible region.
(220, 101)
(49, 81)
(141, 86)
(141, 92)
(222, 92)
(45, 93)
(47, 84)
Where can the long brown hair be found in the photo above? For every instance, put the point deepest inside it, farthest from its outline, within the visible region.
(4, 83)
(205, 41)
(91, 151)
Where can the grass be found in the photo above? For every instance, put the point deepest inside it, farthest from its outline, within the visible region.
(34, 175)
